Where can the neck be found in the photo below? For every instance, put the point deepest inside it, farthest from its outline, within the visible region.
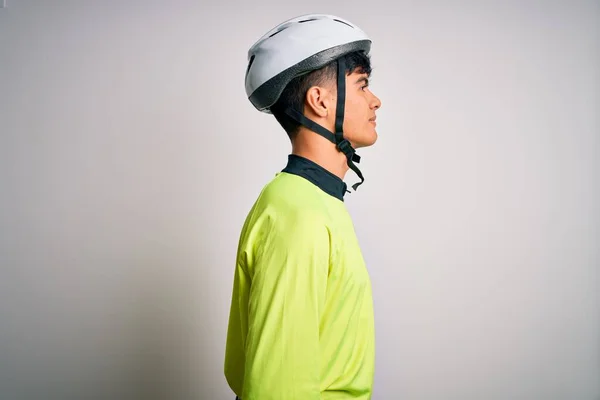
(320, 151)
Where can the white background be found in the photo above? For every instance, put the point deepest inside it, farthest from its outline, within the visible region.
(129, 157)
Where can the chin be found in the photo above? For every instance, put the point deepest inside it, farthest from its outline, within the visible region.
(366, 141)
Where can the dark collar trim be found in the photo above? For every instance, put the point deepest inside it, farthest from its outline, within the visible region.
(313, 172)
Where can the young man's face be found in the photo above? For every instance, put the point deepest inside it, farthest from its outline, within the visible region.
(359, 114)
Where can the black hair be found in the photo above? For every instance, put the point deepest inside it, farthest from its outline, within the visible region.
(295, 92)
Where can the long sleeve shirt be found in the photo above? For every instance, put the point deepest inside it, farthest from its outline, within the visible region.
(301, 323)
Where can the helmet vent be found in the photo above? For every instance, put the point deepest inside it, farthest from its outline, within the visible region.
(250, 63)
(275, 33)
(307, 20)
(342, 22)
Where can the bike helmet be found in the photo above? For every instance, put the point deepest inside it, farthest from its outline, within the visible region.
(299, 46)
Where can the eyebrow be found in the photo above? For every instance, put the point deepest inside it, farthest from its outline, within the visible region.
(362, 79)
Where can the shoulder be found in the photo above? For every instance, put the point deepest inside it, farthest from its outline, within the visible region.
(294, 195)
(286, 206)
(285, 221)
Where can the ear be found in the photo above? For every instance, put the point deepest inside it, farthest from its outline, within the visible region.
(318, 101)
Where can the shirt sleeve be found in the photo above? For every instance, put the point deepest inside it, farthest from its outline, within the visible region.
(287, 295)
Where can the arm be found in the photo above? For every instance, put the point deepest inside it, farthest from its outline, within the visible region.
(289, 280)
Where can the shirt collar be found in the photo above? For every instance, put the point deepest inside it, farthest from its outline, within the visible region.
(325, 180)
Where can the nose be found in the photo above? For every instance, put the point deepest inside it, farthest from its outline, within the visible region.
(375, 103)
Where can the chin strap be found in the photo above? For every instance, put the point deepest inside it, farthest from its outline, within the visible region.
(344, 145)
(336, 138)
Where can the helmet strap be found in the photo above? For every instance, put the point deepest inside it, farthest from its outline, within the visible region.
(336, 138)
(343, 144)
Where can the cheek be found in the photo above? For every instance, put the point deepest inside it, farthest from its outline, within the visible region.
(356, 115)
(357, 110)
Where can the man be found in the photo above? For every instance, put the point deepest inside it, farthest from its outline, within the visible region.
(301, 320)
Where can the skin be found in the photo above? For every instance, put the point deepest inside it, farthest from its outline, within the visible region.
(359, 124)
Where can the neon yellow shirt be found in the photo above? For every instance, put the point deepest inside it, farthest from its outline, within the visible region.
(301, 323)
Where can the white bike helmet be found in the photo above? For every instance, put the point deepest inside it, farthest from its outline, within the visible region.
(297, 47)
